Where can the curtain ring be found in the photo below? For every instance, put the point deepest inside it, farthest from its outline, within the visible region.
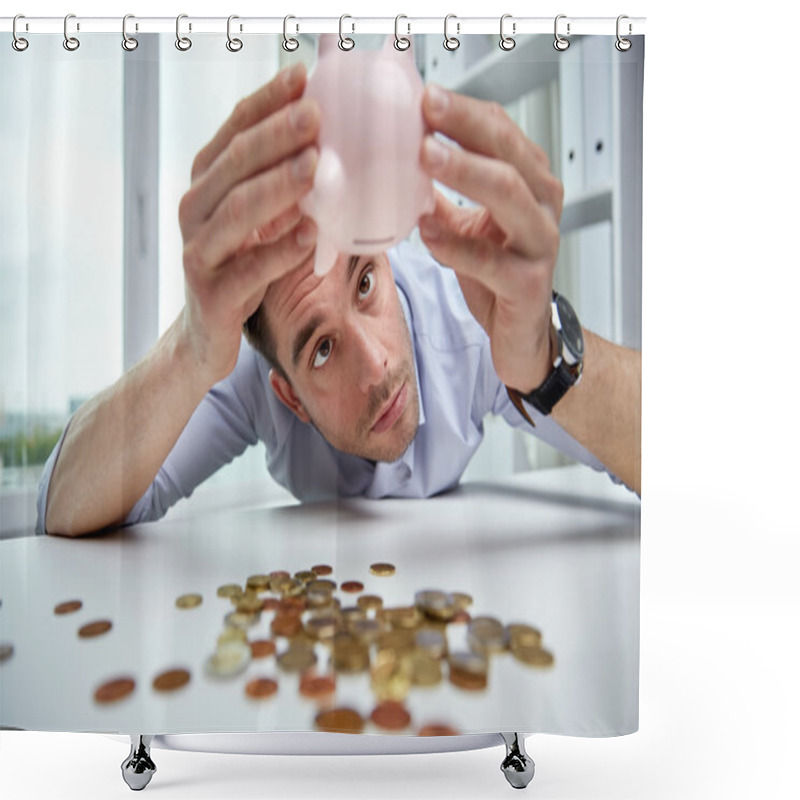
(621, 44)
(18, 43)
(507, 42)
(401, 42)
(70, 42)
(290, 44)
(345, 42)
(128, 42)
(451, 42)
(561, 43)
(234, 45)
(181, 42)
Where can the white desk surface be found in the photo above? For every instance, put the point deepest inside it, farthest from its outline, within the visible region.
(557, 549)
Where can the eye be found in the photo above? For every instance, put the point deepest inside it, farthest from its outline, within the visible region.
(322, 353)
(366, 284)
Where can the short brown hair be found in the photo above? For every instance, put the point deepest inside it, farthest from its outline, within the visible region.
(256, 331)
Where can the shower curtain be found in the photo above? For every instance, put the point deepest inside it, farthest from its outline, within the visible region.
(484, 575)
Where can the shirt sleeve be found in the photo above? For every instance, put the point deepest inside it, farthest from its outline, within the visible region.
(221, 428)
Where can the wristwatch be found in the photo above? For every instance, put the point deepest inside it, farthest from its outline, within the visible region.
(568, 361)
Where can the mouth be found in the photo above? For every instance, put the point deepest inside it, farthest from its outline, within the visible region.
(392, 410)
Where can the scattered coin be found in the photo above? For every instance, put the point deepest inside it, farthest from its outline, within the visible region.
(232, 635)
(260, 583)
(382, 569)
(114, 690)
(261, 648)
(242, 619)
(68, 607)
(229, 589)
(297, 658)
(286, 624)
(369, 601)
(487, 635)
(94, 628)
(261, 688)
(189, 600)
(6, 651)
(340, 720)
(269, 603)
(391, 715)
(228, 660)
(437, 729)
(520, 634)
(352, 587)
(322, 569)
(317, 686)
(533, 655)
(170, 680)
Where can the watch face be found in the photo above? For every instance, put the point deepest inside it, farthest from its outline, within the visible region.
(570, 327)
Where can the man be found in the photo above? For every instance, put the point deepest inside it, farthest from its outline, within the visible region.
(375, 378)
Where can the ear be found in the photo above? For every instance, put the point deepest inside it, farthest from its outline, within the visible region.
(283, 389)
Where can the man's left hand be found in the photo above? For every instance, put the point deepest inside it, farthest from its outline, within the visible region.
(503, 252)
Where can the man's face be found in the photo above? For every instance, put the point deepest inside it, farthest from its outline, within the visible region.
(343, 342)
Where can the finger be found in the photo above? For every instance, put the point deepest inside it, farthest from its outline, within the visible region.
(272, 230)
(248, 206)
(260, 146)
(243, 277)
(287, 85)
(486, 128)
(499, 187)
(518, 280)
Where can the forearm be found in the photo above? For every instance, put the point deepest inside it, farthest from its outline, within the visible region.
(118, 440)
(604, 411)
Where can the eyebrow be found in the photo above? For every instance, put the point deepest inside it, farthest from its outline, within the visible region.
(308, 330)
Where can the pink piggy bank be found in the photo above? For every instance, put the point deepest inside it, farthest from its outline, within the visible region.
(369, 188)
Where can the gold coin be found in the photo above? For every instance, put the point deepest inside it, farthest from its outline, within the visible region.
(524, 635)
(67, 607)
(425, 669)
(349, 654)
(434, 643)
(534, 656)
(260, 583)
(232, 635)
(396, 639)
(242, 619)
(473, 663)
(322, 584)
(390, 675)
(322, 569)
(291, 587)
(366, 630)
(322, 627)
(94, 628)
(261, 688)
(461, 600)
(340, 720)
(369, 601)
(434, 603)
(228, 589)
(249, 603)
(228, 660)
(114, 690)
(189, 601)
(297, 658)
(6, 651)
(305, 575)
(170, 680)
(382, 569)
(487, 635)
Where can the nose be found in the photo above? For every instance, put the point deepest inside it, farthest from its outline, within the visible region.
(372, 358)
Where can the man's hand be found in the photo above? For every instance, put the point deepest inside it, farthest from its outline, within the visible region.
(504, 252)
(240, 221)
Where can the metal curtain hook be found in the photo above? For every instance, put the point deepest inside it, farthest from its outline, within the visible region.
(623, 44)
(345, 42)
(561, 43)
(70, 42)
(181, 42)
(507, 42)
(290, 44)
(128, 42)
(18, 43)
(451, 42)
(401, 42)
(234, 45)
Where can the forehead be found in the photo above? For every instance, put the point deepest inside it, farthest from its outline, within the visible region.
(301, 294)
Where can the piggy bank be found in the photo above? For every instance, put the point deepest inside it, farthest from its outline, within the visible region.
(369, 188)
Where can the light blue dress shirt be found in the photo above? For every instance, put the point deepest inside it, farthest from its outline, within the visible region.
(458, 387)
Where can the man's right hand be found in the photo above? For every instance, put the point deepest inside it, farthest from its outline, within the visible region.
(241, 224)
